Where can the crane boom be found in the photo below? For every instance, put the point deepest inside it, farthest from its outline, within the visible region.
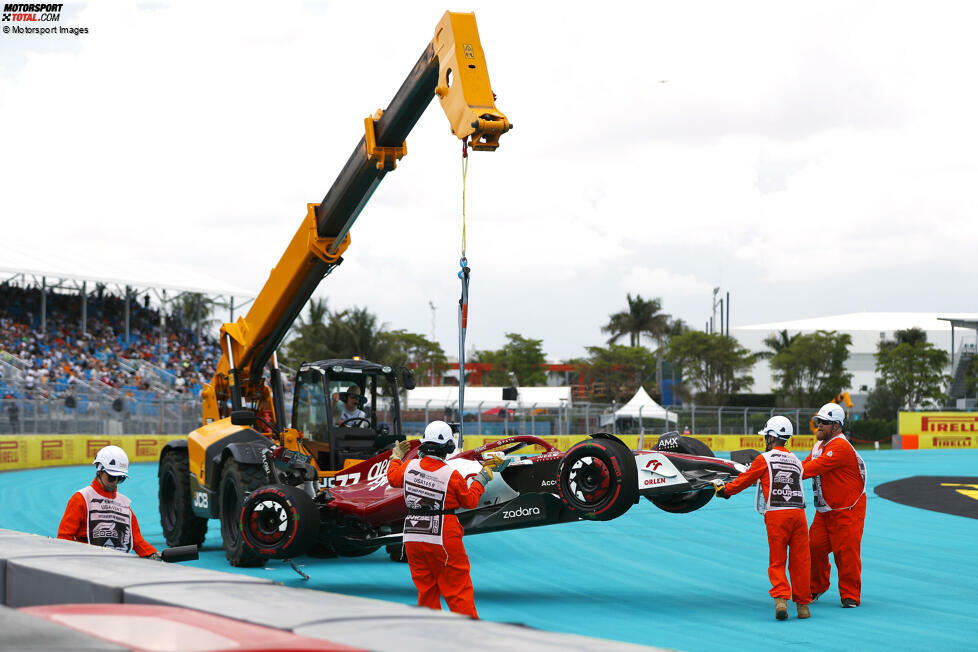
(452, 67)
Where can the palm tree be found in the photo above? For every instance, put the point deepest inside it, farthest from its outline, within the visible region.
(776, 343)
(643, 317)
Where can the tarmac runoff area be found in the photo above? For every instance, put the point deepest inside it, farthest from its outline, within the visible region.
(688, 582)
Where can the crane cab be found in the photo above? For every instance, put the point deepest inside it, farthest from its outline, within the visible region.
(347, 410)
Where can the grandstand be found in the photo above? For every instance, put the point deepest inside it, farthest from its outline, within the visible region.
(87, 353)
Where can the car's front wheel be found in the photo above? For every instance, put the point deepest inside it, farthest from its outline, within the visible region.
(597, 479)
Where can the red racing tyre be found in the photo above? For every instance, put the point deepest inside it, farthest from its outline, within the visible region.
(279, 521)
(597, 478)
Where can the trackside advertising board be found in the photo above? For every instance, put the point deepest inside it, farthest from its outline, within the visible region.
(36, 451)
(938, 429)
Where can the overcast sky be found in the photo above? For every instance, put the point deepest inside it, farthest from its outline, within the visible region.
(810, 158)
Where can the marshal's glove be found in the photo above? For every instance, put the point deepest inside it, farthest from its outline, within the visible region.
(484, 476)
(155, 557)
(400, 450)
(721, 489)
(496, 464)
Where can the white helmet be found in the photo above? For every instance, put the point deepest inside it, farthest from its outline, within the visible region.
(113, 460)
(437, 432)
(779, 427)
(832, 412)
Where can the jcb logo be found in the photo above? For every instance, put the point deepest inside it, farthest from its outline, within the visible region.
(200, 499)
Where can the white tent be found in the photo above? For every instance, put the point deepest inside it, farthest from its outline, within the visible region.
(641, 405)
(485, 398)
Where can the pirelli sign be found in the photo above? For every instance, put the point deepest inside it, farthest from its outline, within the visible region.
(939, 429)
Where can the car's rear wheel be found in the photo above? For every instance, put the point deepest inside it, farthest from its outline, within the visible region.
(279, 521)
(597, 479)
(689, 501)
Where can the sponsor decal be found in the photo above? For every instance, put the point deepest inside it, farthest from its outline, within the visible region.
(200, 499)
(947, 441)
(654, 481)
(52, 449)
(104, 530)
(782, 476)
(786, 492)
(93, 446)
(653, 465)
(957, 495)
(961, 423)
(146, 448)
(751, 442)
(548, 483)
(521, 512)
(9, 452)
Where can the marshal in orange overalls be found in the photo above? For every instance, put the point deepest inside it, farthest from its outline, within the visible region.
(839, 476)
(440, 569)
(784, 517)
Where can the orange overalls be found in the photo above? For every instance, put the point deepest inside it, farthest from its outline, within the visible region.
(75, 522)
(784, 518)
(839, 479)
(439, 565)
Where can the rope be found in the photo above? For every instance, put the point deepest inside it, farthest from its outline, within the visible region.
(463, 306)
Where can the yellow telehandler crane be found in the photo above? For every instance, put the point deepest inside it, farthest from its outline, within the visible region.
(208, 474)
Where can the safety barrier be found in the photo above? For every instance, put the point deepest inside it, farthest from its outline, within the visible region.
(36, 570)
(937, 430)
(36, 451)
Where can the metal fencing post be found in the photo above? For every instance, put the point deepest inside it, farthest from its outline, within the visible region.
(587, 418)
(746, 429)
(533, 419)
(641, 429)
(426, 420)
(719, 420)
(480, 417)
(693, 420)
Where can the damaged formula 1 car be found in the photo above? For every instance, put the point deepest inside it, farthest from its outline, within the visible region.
(599, 478)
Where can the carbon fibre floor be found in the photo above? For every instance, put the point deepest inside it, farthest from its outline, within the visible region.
(689, 582)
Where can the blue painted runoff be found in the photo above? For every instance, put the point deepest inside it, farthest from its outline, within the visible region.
(688, 582)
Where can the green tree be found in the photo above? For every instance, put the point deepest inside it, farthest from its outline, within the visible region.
(971, 377)
(427, 357)
(643, 317)
(617, 371)
(522, 356)
(326, 334)
(776, 343)
(194, 312)
(812, 368)
(714, 365)
(913, 370)
(882, 403)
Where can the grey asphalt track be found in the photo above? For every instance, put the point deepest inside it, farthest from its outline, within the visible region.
(691, 582)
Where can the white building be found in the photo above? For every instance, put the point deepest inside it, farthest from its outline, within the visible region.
(866, 330)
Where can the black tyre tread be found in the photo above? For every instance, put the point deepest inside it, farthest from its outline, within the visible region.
(689, 501)
(306, 525)
(247, 477)
(601, 448)
(187, 528)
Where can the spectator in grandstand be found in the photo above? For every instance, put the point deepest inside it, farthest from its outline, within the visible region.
(351, 408)
(838, 475)
(781, 499)
(432, 534)
(98, 514)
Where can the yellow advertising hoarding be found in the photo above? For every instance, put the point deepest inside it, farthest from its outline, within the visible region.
(938, 430)
(37, 451)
